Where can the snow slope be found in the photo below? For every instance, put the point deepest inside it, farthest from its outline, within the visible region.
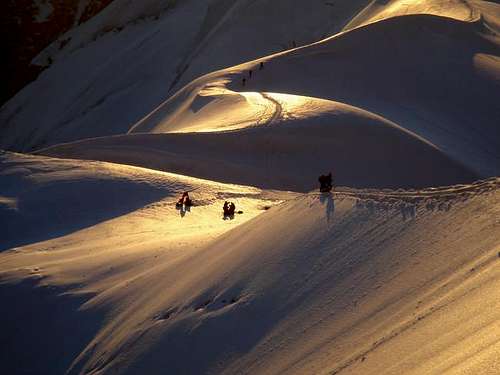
(430, 63)
(111, 71)
(101, 274)
(343, 283)
(440, 82)
(433, 130)
(280, 142)
(379, 10)
(44, 198)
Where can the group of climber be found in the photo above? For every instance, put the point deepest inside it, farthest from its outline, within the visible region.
(184, 204)
(229, 208)
(184, 201)
(250, 72)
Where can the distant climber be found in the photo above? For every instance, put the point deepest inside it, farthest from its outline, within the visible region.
(184, 204)
(261, 65)
(187, 201)
(243, 81)
(180, 202)
(249, 74)
(325, 182)
(184, 200)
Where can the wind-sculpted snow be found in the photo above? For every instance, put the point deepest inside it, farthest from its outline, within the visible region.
(440, 83)
(355, 281)
(395, 271)
(290, 144)
(462, 10)
(443, 89)
(44, 198)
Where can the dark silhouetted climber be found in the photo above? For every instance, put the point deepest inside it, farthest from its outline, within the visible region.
(243, 81)
(249, 74)
(228, 209)
(261, 65)
(325, 182)
(184, 200)
(184, 204)
(180, 202)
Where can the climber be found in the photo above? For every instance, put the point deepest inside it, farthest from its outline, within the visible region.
(184, 200)
(228, 209)
(325, 182)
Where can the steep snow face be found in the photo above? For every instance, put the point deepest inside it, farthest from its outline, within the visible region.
(319, 284)
(111, 71)
(93, 91)
(115, 17)
(252, 29)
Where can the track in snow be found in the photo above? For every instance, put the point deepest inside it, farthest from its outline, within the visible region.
(444, 193)
(278, 109)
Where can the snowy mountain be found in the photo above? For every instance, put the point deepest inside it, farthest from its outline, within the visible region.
(97, 82)
(393, 272)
